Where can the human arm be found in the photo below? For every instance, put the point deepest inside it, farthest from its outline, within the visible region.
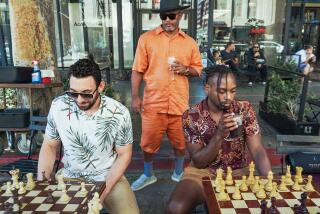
(258, 154)
(201, 155)
(124, 154)
(47, 156)
(136, 102)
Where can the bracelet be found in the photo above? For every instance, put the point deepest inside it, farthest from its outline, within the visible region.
(187, 72)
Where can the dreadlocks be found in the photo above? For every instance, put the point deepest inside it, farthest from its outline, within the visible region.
(220, 71)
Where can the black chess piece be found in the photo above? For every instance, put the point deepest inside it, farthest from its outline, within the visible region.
(303, 208)
(50, 198)
(263, 207)
(273, 209)
(296, 209)
(44, 178)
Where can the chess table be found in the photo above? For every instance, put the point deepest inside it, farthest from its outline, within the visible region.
(251, 204)
(36, 200)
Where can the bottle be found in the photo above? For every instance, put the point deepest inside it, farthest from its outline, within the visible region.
(36, 73)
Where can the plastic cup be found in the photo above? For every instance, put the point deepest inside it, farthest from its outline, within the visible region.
(237, 132)
(171, 62)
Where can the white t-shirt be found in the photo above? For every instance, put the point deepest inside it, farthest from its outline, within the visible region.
(89, 141)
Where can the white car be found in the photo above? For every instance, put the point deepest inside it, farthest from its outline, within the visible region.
(270, 44)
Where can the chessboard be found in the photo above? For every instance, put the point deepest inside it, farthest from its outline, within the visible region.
(45, 198)
(281, 198)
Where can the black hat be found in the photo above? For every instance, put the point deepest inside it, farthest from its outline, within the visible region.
(169, 6)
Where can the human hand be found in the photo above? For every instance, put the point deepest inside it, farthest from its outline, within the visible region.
(136, 104)
(179, 68)
(226, 124)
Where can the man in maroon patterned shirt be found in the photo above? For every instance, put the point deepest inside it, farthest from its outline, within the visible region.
(207, 127)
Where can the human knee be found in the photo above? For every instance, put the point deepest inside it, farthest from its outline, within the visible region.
(176, 207)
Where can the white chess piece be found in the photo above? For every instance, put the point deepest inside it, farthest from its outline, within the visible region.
(30, 182)
(218, 176)
(94, 204)
(15, 177)
(229, 180)
(299, 174)
(64, 196)
(9, 188)
(236, 195)
(282, 186)
(22, 189)
(274, 192)
(269, 186)
(61, 184)
(289, 180)
(250, 180)
(296, 185)
(83, 190)
(244, 186)
(309, 187)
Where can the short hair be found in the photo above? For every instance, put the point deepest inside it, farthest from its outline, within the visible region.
(85, 68)
(215, 52)
(217, 70)
(308, 47)
(228, 44)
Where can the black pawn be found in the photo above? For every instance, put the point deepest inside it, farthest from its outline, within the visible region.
(263, 206)
(50, 199)
(273, 208)
(303, 208)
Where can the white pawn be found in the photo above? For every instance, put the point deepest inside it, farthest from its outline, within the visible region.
(236, 195)
(296, 185)
(289, 180)
(64, 197)
(229, 180)
(255, 187)
(9, 188)
(61, 184)
(21, 190)
(222, 196)
(274, 192)
(269, 186)
(218, 186)
(243, 186)
(83, 190)
(218, 176)
(309, 187)
(94, 204)
(282, 186)
(30, 182)
(261, 193)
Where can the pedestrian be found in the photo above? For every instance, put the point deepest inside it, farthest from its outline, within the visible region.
(164, 59)
(256, 63)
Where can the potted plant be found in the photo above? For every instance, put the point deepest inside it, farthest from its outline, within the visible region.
(256, 28)
(281, 106)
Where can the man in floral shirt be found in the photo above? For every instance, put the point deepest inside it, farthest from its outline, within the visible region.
(207, 126)
(96, 135)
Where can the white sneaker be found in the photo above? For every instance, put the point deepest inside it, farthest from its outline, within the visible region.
(176, 177)
(249, 83)
(142, 182)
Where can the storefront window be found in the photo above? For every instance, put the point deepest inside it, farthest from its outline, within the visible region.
(5, 35)
(85, 27)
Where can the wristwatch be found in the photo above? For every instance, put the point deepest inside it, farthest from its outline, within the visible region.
(187, 72)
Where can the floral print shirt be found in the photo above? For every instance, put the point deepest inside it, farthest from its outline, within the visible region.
(199, 128)
(89, 141)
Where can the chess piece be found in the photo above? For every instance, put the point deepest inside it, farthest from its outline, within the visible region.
(299, 174)
(236, 195)
(44, 178)
(255, 188)
(309, 187)
(64, 197)
(222, 196)
(273, 208)
(263, 206)
(50, 198)
(296, 185)
(269, 184)
(52, 179)
(16, 203)
(296, 209)
(229, 180)
(22, 189)
(15, 177)
(244, 186)
(94, 204)
(218, 186)
(303, 208)
(30, 182)
(274, 192)
(282, 186)
(83, 189)
(8, 189)
(289, 180)
(250, 180)
(261, 193)
(61, 184)
(218, 176)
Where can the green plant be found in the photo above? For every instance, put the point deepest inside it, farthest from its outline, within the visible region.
(283, 96)
(11, 98)
(111, 92)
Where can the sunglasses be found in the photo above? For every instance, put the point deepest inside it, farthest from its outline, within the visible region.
(75, 95)
(256, 46)
(164, 16)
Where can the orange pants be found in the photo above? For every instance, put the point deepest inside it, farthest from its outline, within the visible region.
(154, 125)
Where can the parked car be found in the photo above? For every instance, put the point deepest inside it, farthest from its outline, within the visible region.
(271, 44)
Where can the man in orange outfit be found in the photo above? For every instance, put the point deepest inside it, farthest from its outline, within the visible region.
(165, 58)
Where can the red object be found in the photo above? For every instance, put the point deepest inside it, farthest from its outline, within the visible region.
(46, 80)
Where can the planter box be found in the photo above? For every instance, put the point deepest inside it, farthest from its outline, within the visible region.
(286, 125)
(15, 118)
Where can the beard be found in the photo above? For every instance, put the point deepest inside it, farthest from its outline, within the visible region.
(89, 104)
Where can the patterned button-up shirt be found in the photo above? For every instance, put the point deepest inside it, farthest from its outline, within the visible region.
(89, 141)
(199, 128)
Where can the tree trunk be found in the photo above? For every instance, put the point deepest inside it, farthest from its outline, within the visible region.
(33, 36)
